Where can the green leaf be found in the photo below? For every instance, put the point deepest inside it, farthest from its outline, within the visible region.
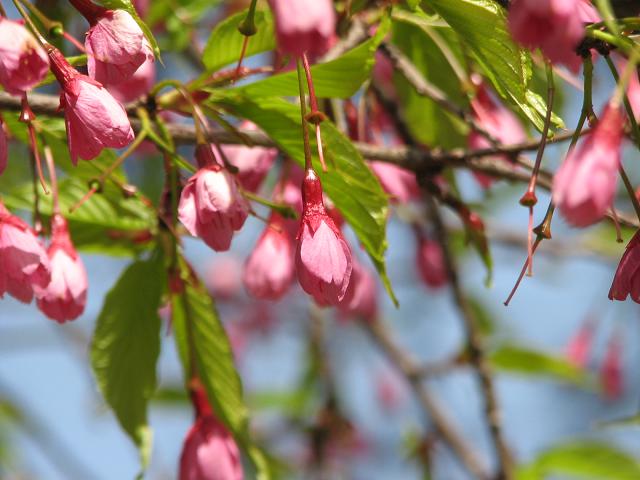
(525, 361)
(482, 25)
(349, 183)
(588, 460)
(197, 326)
(126, 345)
(339, 78)
(225, 42)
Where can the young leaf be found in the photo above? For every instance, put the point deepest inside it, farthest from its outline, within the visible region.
(349, 183)
(126, 345)
(225, 42)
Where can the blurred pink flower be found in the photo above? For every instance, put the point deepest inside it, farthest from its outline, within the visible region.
(431, 264)
(65, 297)
(211, 206)
(223, 277)
(142, 7)
(390, 390)
(269, 270)
(323, 258)
(611, 370)
(627, 278)
(396, 181)
(361, 297)
(24, 265)
(4, 148)
(585, 183)
(580, 345)
(23, 62)
(137, 86)
(304, 26)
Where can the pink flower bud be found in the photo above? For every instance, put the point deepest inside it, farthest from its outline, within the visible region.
(500, 122)
(360, 300)
(65, 297)
(304, 26)
(585, 183)
(94, 119)
(627, 278)
(611, 371)
(4, 148)
(211, 206)
(323, 258)
(396, 181)
(23, 62)
(24, 262)
(554, 26)
(431, 263)
(253, 163)
(116, 46)
(580, 345)
(209, 451)
(137, 86)
(269, 270)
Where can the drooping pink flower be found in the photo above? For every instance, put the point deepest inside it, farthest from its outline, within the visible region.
(554, 26)
(209, 451)
(65, 297)
(137, 86)
(500, 122)
(94, 119)
(304, 26)
(361, 297)
(4, 148)
(269, 270)
(580, 345)
(24, 264)
(396, 181)
(223, 277)
(585, 183)
(323, 258)
(611, 370)
(116, 46)
(627, 278)
(23, 62)
(211, 207)
(431, 263)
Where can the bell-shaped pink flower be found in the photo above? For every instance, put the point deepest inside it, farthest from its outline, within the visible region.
(209, 451)
(94, 119)
(65, 297)
(556, 27)
(24, 265)
(611, 370)
(585, 183)
(269, 270)
(4, 148)
(211, 206)
(361, 298)
(137, 86)
(253, 163)
(23, 62)
(116, 46)
(431, 264)
(500, 122)
(627, 278)
(323, 258)
(398, 182)
(304, 26)
(580, 345)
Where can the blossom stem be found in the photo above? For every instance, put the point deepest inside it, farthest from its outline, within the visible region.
(53, 26)
(303, 112)
(72, 40)
(522, 272)
(41, 40)
(630, 190)
(3, 12)
(48, 155)
(243, 51)
(616, 224)
(315, 116)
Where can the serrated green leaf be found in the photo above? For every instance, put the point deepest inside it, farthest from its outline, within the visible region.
(339, 78)
(225, 42)
(582, 460)
(349, 183)
(126, 345)
(525, 361)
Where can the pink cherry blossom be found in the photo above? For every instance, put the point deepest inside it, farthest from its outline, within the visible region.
(223, 277)
(323, 258)
(554, 26)
(209, 451)
(361, 297)
(431, 264)
(500, 122)
(23, 62)
(304, 26)
(211, 206)
(4, 148)
(396, 181)
(270, 269)
(611, 370)
(65, 297)
(580, 345)
(627, 278)
(24, 265)
(94, 119)
(585, 183)
(137, 86)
